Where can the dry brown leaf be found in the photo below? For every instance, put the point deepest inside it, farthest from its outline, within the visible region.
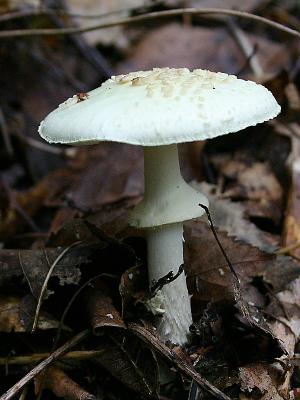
(133, 287)
(101, 311)
(230, 217)
(108, 181)
(255, 185)
(274, 381)
(33, 265)
(20, 207)
(285, 308)
(177, 45)
(260, 381)
(209, 277)
(56, 380)
(131, 362)
(10, 316)
(291, 222)
(109, 173)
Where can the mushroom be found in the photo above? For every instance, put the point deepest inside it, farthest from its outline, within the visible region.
(158, 109)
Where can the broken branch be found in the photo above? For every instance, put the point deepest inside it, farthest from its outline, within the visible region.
(148, 17)
(44, 364)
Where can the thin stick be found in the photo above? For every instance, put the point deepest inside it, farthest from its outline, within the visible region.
(36, 357)
(25, 274)
(288, 249)
(44, 364)
(211, 225)
(44, 287)
(149, 17)
(69, 305)
(5, 134)
(246, 47)
(69, 151)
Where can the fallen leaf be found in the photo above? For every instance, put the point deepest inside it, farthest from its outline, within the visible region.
(101, 310)
(291, 233)
(230, 217)
(20, 207)
(133, 288)
(109, 173)
(131, 362)
(208, 275)
(260, 381)
(56, 380)
(32, 266)
(178, 45)
(262, 198)
(10, 316)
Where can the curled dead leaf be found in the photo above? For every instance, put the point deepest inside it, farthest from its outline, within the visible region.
(56, 380)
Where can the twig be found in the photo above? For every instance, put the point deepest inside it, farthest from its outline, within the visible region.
(58, 332)
(149, 17)
(5, 134)
(157, 345)
(44, 287)
(33, 358)
(236, 283)
(69, 305)
(25, 273)
(219, 244)
(165, 280)
(68, 152)
(44, 364)
(246, 47)
(288, 249)
(90, 53)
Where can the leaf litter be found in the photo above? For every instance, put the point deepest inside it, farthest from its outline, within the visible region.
(246, 328)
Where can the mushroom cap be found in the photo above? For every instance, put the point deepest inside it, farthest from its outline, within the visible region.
(160, 107)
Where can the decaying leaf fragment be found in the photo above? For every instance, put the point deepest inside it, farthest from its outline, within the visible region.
(128, 360)
(230, 217)
(101, 310)
(260, 381)
(133, 287)
(11, 316)
(32, 266)
(56, 380)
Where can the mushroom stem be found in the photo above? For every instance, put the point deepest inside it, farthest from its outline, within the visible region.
(165, 254)
(165, 242)
(162, 172)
